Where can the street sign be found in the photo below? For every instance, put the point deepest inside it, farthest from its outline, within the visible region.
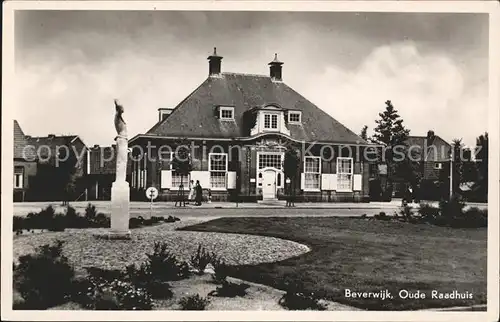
(151, 193)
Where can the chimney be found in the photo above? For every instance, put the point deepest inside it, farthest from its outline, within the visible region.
(275, 69)
(214, 63)
(430, 136)
(163, 113)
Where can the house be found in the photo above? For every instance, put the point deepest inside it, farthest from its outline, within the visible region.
(433, 154)
(238, 127)
(25, 164)
(59, 159)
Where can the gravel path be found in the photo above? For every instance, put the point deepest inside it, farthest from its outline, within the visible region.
(83, 249)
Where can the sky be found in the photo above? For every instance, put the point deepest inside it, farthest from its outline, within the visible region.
(70, 65)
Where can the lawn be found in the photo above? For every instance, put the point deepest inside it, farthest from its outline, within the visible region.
(368, 256)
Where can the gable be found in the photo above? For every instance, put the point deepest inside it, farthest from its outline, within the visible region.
(194, 116)
(20, 142)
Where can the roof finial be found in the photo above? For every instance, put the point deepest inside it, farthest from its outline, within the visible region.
(215, 51)
(276, 56)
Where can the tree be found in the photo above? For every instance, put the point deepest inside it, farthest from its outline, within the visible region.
(392, 135)
(482, 166)
(182, 165)
(291, 165)
(363, 134)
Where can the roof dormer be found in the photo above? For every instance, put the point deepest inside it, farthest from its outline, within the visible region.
(270, 118)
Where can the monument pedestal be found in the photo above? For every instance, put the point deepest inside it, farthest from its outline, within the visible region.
(120, 215)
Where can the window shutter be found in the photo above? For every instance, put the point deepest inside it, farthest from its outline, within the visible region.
(203, 177)
(333, 181)
(325, 181)
(357, 182)
(302, 180)
(166, 179)
(231, 180)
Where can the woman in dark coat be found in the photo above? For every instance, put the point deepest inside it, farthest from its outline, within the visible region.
(199, 193)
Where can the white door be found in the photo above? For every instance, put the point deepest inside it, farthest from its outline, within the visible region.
(269, 184)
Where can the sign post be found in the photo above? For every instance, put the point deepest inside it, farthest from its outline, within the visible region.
(151, 194)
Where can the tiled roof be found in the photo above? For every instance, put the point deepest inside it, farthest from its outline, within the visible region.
(51, 141)
(442, 147)
(194, 116)
(20, 142)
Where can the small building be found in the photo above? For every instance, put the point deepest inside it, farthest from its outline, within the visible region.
(433, 154)
(60, 160)
(238, 127)
(25, 164)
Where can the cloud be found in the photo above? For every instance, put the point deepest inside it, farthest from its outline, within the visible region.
(430, 91)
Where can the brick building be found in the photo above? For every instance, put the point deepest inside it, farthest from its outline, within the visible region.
(241, 125)
(25, 164)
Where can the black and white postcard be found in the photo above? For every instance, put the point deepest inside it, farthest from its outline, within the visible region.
(281, 160)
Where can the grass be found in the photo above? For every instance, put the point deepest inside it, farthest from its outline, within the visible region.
(368, 256)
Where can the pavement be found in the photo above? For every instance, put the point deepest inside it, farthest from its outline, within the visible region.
(230, 209)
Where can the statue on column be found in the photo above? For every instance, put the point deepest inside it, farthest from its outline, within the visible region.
(120, 190)
(121, 144)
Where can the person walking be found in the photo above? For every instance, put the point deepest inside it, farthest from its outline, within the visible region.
(192, 191)
(199, 193)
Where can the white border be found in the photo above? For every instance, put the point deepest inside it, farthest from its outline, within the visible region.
(491, 7)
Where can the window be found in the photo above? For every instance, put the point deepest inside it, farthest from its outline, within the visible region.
(344, 174)
(438, 165)
(312, 171)
(227, 113)
(218, 168)
(269, 160)
(294, 117)
(18, 177)
(176, 181)
(270, 121)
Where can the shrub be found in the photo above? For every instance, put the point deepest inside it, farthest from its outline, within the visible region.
(229, 289)
(18, 224)
(428, 212)
(135, 222)
(40, 220)
(473, 218)
(102, 221)
(381, 216)
(142, 277)
(73, 219)
(221, 271)
(451, 208)
(90, 213)
(171, 219)
(193, 303)
(58, 223)
(293, 300)
(202, 258)
(114, 295)
(45, 278)
(95, 219)
(164, 266)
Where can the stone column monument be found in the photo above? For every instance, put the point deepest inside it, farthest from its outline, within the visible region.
(120, 190)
